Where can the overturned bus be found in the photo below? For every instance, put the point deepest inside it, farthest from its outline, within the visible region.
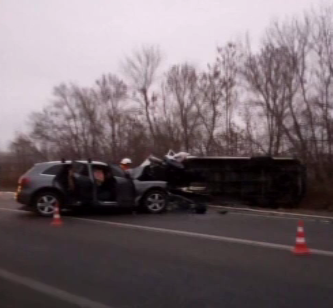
(258, 181)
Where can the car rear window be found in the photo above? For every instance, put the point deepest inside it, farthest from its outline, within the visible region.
(53, 170)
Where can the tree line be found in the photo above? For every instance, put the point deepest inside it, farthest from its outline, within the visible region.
(275, 99)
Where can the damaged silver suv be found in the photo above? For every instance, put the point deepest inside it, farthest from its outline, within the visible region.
(73, 184)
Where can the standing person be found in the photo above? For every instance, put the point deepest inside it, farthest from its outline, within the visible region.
(126, 164)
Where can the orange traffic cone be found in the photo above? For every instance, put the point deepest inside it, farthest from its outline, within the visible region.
(301, 248)
(56, 216)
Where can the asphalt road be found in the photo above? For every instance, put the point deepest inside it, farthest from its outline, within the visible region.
(98, 264)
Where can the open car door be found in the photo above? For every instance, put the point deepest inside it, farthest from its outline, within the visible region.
(81, 182)
(61, 177)
(125, 189)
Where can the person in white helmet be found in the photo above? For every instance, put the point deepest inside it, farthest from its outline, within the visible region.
(126, 164)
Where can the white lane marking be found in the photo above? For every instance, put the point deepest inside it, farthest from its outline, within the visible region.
(193, 234)
(282, 217)
(10, 210)
(299, 215)
(50, 290)
(203, 236)
(6, 195)
(267, 216)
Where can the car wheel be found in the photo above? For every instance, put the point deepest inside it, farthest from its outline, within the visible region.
(45, 202)
(155, 201)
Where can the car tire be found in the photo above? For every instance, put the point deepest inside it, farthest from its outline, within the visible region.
(44, 203)
(155, 201)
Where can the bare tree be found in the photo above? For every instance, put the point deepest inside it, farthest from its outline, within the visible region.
(71, 124)
(265, 74)
(169, 132)
(182, 85)
(218, 86)
(293, 39)
(141, 68)
(212, 85)
(111, 94)
(26, 151)
(322, 45)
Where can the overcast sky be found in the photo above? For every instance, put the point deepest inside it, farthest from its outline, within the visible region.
(46, 42)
